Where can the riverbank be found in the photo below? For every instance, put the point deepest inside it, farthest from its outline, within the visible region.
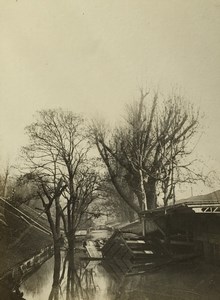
(19, 240)
(32, 243)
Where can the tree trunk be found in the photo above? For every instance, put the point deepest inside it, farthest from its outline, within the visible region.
(57, 263)
(142, 192)
(151, 195)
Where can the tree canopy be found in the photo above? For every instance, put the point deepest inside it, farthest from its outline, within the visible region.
(57, 159)
(146, 154)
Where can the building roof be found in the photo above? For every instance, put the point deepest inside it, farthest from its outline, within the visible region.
(198, 205)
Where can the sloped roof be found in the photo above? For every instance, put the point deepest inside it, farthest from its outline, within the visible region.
(203, 202)
(214, 196)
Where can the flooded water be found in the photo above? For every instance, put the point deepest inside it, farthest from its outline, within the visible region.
(97, 281)
(90, 281)
(121, 280)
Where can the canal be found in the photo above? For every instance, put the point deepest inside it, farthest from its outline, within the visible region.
(90, 281)
(95, 281)
(82, 279)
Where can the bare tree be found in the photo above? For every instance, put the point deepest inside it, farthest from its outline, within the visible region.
(110, 205)
(150, 148)
(57, 157)
(4, 180)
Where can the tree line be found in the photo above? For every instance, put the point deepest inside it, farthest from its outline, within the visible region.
(73, 163)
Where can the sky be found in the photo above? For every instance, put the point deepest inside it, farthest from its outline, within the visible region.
(92, 56)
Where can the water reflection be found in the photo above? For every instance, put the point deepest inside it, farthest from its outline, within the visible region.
(95, 280)
(81, 280)
(78, 280)
(40, 278)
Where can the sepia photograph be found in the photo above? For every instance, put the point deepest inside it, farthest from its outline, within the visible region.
(109, 150)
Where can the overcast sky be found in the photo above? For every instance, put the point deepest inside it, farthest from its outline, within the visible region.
(92, 56)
